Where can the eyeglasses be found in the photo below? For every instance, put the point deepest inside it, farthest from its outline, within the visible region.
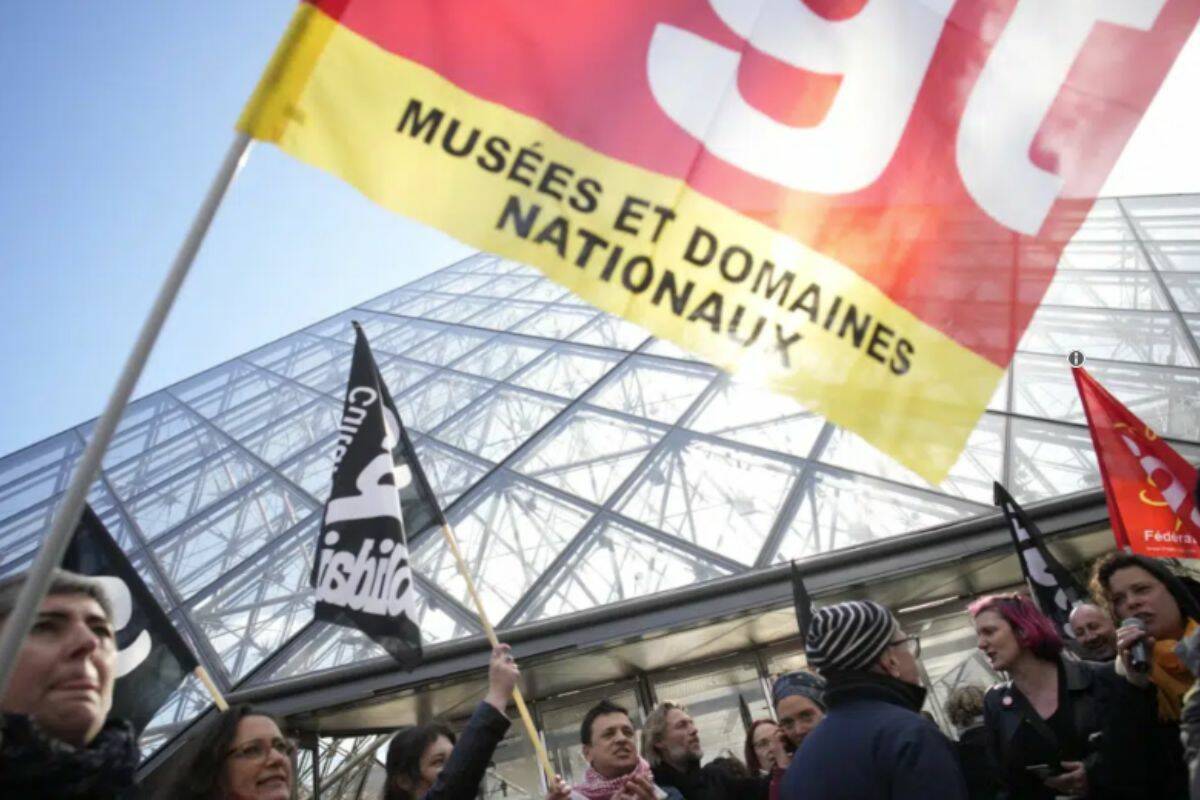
(259, 749)
(913, 644)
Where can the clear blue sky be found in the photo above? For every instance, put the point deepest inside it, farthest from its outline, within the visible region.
(115, 117)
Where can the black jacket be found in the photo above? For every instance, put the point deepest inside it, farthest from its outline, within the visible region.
(33, 764)
(707, 783)
(873, 745)
(464, 770)
(977, 767)
(1018, 737)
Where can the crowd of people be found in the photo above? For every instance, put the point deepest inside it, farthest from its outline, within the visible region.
(1115, 715)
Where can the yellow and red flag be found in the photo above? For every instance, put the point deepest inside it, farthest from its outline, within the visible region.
(859, 203)
(1148, 486)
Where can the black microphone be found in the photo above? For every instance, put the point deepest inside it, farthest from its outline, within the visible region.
(1139, 654)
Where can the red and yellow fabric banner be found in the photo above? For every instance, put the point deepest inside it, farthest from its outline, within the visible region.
(859, 203)
(1150, 488)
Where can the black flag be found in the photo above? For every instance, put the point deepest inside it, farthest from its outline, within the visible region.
(1053, 587)
(380, 495)
(152, 657)
(801, 602)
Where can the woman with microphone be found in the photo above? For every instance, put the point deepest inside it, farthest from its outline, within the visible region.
(1155, 610)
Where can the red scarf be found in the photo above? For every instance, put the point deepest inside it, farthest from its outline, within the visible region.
(597, 787)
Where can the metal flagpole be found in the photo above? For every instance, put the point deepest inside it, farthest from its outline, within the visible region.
(67, 515)
(530, 730)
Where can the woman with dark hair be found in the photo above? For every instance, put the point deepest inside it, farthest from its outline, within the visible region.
(1143, 589)
(242, 756)
(426, 763)
(1042, 723)
(763, 749)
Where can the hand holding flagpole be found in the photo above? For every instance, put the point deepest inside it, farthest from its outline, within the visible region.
(530, 731)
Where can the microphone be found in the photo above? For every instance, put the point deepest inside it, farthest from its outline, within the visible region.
(1139, 654)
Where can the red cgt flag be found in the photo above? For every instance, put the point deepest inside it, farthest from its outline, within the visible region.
(1147, 484)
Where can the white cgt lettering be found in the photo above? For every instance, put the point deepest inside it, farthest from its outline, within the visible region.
(1024, 73)
(881, 53)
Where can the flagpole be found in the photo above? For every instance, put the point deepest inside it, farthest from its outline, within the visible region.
(67, 516)
(530, 730)
(218, 699)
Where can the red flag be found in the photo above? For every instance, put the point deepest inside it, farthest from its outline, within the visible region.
(1146, 483)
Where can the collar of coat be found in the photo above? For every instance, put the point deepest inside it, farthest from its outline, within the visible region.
(849, 685)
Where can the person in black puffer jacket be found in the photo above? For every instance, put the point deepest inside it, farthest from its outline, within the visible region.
(55, 740)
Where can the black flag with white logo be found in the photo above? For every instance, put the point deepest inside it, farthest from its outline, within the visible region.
(380, 495)
(1053, 587)
(152, 657)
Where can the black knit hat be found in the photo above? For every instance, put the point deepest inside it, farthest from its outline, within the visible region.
(848, 635)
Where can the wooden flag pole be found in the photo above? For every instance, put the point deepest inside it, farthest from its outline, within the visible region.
(218, 699)
(530, 731)
(20, 620)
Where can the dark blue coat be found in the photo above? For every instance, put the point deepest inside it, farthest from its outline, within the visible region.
(872, 745)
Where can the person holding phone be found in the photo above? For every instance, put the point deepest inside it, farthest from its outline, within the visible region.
(1045, 724)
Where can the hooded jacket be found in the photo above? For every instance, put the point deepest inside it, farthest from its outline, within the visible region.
(873, 745)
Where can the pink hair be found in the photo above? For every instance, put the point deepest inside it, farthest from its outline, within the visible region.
(1033, 629)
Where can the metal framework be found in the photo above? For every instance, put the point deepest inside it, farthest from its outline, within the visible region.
(581, 461)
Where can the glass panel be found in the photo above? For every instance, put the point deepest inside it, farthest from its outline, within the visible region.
(502, 316)
(502, 286)
(500, 357)
(838, 511)
(1048, 460)
(1185, 288)
(288, 435)
(402, 336)
(433, 401)
(657, 390)
(460, 309)
(329, 377)
(169, 504)
(759, 417)
(170, 421)
(716, 497)
(508, 535)
(542, 291)
(619, 563)
(1183, 256)
(249, 616)
(1116, 336)
(1092, 256)
(610, 331)
(499, 423)
(448, 346)
(450, 473)
(465, 284)
(153, 467)
(256, 414)
(213, 544)
(423, 305)
(1168, 400)
(568, 372)
(33, 475)
(298, 354)
(1092, 289)
(211, 394)
(589, 454)
(398, 374)
(312, 470)
(661, 347)
(712, 700)
(558, 322)
(514, 773)
(971, 477)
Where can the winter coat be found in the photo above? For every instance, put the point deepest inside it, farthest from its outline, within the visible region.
(976, 763)
(1018, 737)
(33, 764)
(707, 783)
(873, 745)
(463, 772)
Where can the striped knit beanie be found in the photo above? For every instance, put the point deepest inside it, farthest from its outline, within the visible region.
(848, 635)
